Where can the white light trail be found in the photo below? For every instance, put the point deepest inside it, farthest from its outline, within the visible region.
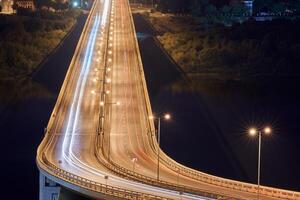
(75, 111)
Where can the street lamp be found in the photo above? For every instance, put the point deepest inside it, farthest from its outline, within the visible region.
(254, 132)
(166, 116)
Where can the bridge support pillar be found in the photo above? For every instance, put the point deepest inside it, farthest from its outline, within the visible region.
(49, 190)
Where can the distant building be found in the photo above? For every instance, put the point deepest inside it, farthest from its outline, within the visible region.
(26, 4)
(249, 5)
(7, 6)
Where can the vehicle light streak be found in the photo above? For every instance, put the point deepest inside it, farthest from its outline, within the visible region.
(74, 113)
(81, 82)
(77, 163)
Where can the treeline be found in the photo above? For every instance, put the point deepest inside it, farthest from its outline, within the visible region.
(242, 51)
(224, 7)
(24, 40)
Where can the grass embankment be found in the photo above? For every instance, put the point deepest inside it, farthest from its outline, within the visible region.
(243, 52)
(24, 42)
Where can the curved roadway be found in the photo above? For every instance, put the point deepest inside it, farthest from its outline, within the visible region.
(100, 128)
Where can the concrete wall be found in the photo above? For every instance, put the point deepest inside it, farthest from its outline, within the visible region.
(49, 190)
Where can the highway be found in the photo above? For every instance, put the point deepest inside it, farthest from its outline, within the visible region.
(101, 140)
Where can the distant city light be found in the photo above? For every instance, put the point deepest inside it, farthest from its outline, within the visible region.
(75, 4)
(167, 116)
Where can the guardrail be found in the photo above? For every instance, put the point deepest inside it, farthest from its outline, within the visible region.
(131, 175)
(96, 186)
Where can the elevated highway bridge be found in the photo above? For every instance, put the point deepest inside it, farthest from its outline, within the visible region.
(100, 140)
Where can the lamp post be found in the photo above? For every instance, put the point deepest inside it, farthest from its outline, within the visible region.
(166, 117)
(254, 132)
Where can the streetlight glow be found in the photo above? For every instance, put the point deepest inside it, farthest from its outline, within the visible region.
(252, 131)
(267, 130)
(167, 116)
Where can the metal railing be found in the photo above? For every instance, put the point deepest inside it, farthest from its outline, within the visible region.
(94, 186)
(131, 175)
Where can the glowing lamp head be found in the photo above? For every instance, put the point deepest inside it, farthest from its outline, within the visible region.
(118, 103)
(151, 117)
(267, 130)
(252, 131)
(167, 116)
(101, 103)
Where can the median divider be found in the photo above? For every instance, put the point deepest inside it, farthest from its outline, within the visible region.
(51, 169)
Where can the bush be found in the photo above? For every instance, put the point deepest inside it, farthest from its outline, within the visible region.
(251, 48)
(28, 39)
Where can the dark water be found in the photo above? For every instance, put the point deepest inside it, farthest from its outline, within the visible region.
(22, 124)
(208, 131)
